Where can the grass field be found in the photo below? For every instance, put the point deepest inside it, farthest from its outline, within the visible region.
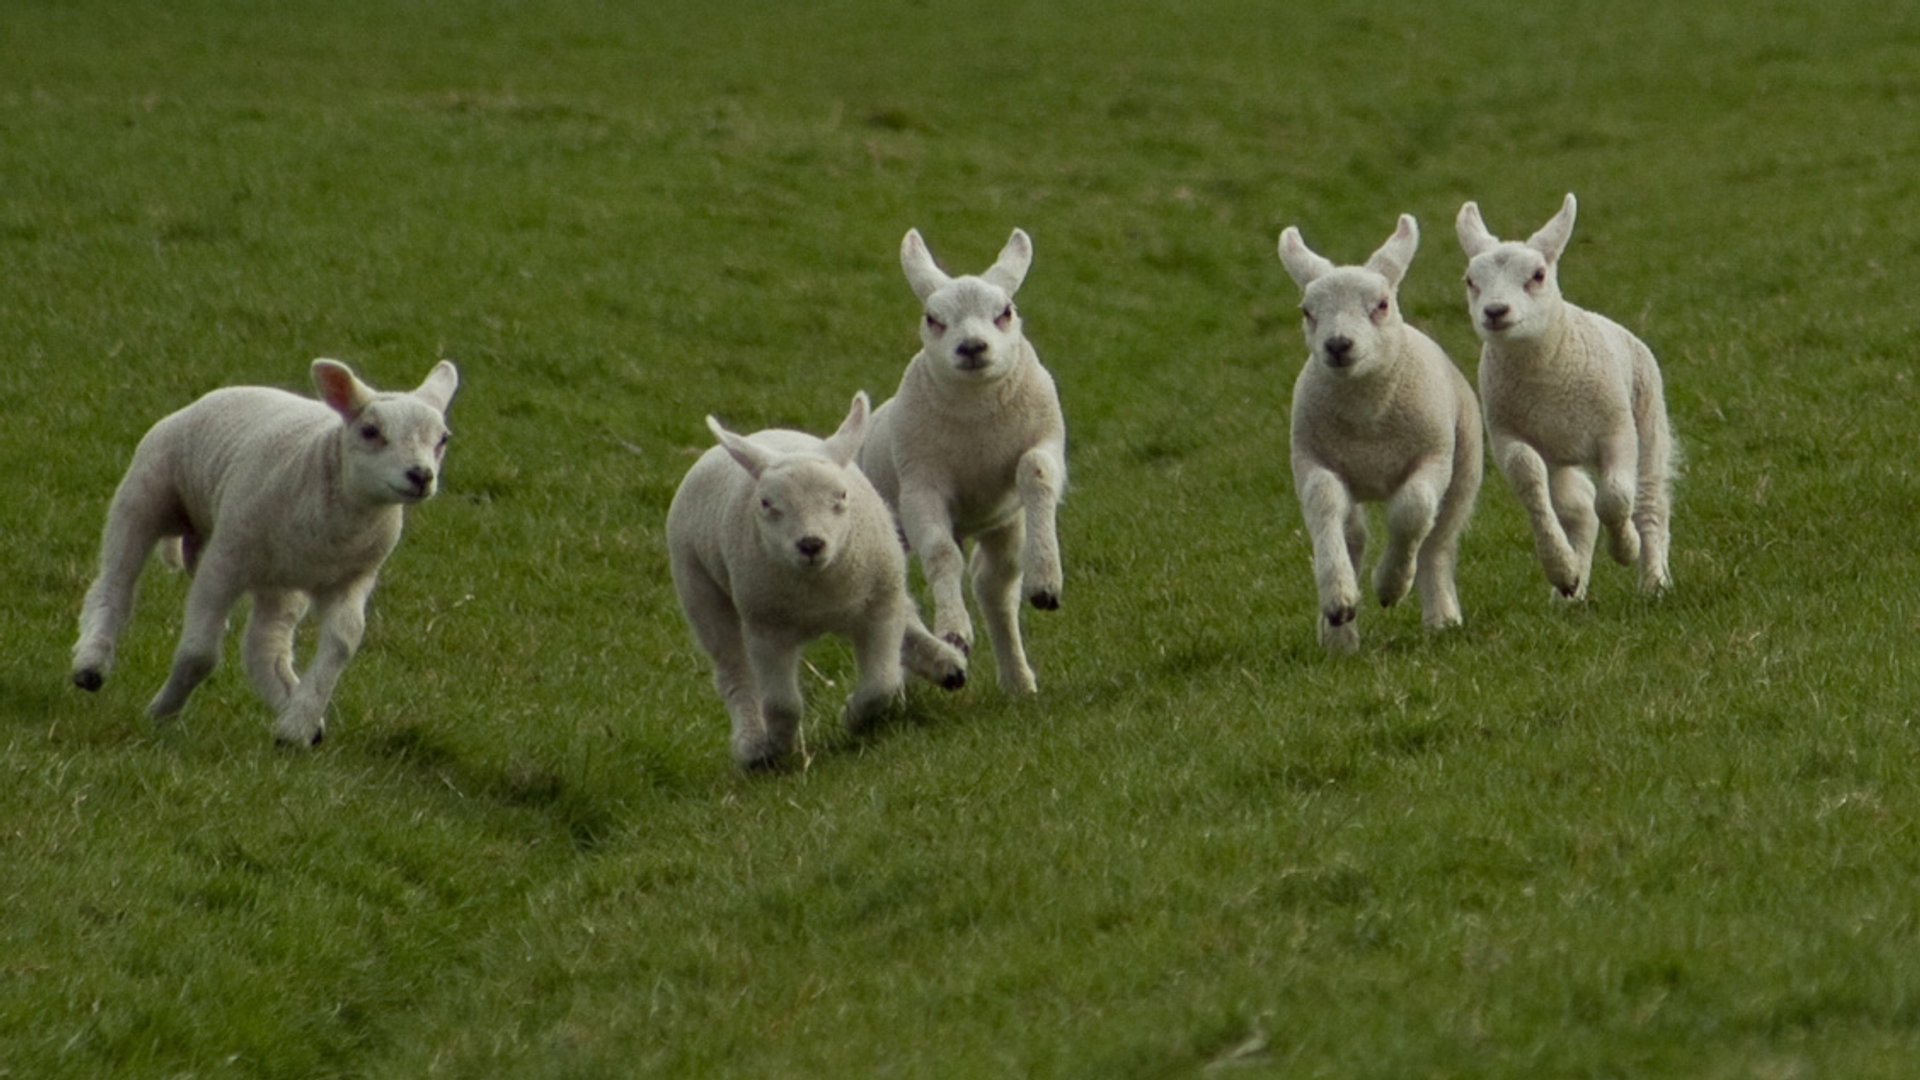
(1634, 839)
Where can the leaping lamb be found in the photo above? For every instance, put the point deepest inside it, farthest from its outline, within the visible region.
(1568, 392)
(1379, 415)
(295, 501)
(973, 448)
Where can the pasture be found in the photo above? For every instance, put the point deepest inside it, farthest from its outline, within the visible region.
(1637, 838)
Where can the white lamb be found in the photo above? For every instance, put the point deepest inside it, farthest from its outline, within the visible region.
(973, 447)
(1567, 391)
(293, 500)
(775, 539)
(1379, 415)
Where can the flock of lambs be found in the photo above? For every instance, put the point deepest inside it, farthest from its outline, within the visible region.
(778, 537)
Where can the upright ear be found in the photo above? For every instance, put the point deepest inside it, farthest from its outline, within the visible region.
(922, 275)
(1394, 256)
(338, 387)
(1552, 238)
(751, 457)
(844, 444)
(441, 382)
(1010, 269)
(1302, 264)
(1473, 234)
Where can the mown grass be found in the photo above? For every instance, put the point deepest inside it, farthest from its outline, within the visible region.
(1670, 838)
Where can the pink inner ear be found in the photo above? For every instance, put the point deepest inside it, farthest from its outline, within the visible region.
(337, 389)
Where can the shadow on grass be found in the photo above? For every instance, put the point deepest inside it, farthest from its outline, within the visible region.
(587, 817)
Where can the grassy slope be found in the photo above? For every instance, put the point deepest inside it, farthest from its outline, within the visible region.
(1635, 839)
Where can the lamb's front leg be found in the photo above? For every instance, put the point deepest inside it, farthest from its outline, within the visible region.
(876, 659)
(929, 530)
(1041, 477)
(1334, 526)
(1410, 516)
(775, 659)
(343, 622)
(209, 598)
(1526, 473)
(267, 651)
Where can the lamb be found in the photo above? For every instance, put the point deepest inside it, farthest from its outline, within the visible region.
(295, 501)
(1379, 415)
(973, 448)
(775, 539)
(1568, 391)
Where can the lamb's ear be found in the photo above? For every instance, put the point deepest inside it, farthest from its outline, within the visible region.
(1473, 234)
(1394, 256)
(1302, 264)
(338, 387)
(1010, 269)
(751, 457)
(441, 382)
(922, 275)
(844, 444)
(1552, 238)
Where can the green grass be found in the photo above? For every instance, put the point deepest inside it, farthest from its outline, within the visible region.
(1635, 839)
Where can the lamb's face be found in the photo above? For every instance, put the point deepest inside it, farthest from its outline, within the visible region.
(971, 330)
(801, 510)
(1350, 317)
(393, 448)
(1512, 292)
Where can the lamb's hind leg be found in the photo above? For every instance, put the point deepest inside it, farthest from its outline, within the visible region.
(1410, 520)
(267, 651)
(996, 585)
(1652, 500)
(1040, 477)
(136, 519)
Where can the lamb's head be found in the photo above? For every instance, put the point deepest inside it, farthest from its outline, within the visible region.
(1513, 289)
(969, 327)
(801, 506)
(1351, 314)
(391, 444)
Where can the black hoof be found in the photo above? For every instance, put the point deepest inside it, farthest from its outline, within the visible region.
(954, 681)
(1045, 601)
(1571, 591)
(1339, 616)
(88, 679)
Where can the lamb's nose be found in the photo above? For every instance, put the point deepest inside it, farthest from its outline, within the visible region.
(1337, 348)
(971, 348)
(421, 477)
(1496, 312)
(810, 546)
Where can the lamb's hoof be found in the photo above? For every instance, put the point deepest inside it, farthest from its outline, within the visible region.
(958, 642)
(1340, 616)
(954, 680)
(1045, 600)
(88, 679)
(1568, 593)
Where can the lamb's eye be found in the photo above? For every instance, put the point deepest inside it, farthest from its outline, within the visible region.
(1308, 316)
(1380, 309)
(1001, 320)
(441, 446)
(1539, 277)
(370, 432)
(936, 325)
